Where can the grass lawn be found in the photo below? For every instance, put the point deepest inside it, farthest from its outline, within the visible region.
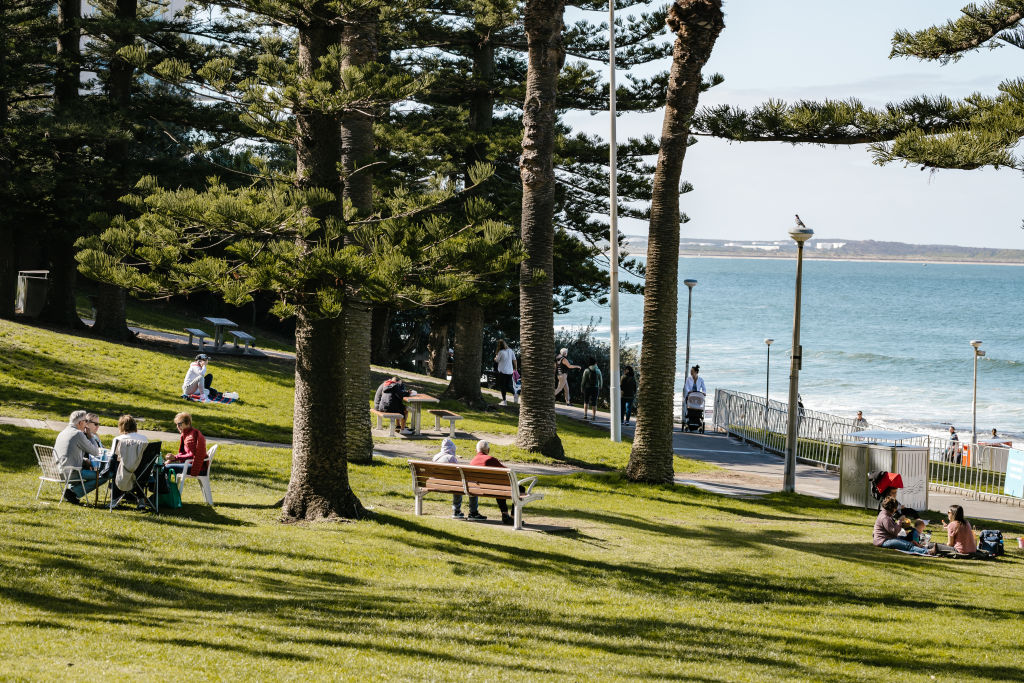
(651, 582)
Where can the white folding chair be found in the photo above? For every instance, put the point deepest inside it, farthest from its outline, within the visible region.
(53, 472)
(204, 479)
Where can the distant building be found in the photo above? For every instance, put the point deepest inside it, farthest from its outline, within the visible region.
(829, 245)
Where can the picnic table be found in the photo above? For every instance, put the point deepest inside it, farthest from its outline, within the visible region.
(219, 326)
(415, 404)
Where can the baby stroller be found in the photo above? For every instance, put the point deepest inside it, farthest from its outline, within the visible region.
(885, 484)
(694, 412)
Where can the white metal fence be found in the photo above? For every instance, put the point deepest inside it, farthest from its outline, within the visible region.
(958, 465)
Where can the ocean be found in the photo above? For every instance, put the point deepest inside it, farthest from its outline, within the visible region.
(890, 339)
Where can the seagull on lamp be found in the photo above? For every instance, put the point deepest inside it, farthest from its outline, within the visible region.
(799, 223)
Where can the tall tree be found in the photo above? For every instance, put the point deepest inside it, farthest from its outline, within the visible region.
(542, 20)
(696, 24)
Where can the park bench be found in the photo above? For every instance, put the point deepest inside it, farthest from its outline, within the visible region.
(243, 337)
(489, 482)
(381, 416)
(440, 414)
(198, 334)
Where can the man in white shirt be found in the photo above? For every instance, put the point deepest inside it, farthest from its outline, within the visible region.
(694, 383)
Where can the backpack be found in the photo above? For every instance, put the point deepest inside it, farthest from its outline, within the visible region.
(589, 379)
(991, 541)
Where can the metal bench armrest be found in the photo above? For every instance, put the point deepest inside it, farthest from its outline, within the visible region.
(533, 482)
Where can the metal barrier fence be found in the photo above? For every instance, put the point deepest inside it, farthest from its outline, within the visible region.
(980, 469)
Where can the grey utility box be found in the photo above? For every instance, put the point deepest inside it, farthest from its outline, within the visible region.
(31, 296)
(857, 459)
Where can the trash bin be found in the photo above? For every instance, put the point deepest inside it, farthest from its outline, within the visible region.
(31, 296)
(857, 458)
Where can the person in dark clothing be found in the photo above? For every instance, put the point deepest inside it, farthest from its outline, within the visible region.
(390, 398)
(627, 385)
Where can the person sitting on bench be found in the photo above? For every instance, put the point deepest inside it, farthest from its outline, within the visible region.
(447, 454)
(485, 459)
(70, 449)
(390, 397)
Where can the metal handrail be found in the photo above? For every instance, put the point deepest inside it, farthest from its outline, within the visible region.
(954, 464)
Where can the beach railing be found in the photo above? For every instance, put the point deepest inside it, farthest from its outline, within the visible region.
(952, 464)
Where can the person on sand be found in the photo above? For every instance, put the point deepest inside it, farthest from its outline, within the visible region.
(961, 535)
(506, 360)
(887, 529)
(562, 368)
(484, 458)
(447, 454)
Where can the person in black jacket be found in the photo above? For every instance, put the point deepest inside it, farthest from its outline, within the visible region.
(627, 385)
(390, 398)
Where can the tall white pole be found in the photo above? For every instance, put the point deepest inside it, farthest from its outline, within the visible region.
(801, 235)
(613, 238)
(974, 402)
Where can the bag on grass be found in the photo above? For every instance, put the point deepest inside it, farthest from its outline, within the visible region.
(991, 541)
(171, 498)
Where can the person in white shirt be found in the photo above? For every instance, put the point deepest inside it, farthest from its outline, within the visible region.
(506, 360)
(128, 430)
(694, 383)
(196, 378)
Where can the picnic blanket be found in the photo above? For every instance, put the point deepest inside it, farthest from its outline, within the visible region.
(200, 398)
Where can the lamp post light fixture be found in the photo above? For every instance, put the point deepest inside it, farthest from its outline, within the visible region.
(690, 284)
(767, 388)
(978, 353)
(800, 234)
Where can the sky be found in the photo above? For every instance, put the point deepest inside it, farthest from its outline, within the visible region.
(813, 49)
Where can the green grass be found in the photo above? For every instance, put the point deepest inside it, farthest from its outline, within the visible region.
(48, 374)
(650, 582)
(165, 317)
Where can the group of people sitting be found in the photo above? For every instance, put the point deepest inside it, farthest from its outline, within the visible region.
(390, 398)
(78, 447)
(897, 527)
(483, 458)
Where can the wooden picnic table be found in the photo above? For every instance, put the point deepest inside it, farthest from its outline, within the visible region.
(219, 325)
(415, 404)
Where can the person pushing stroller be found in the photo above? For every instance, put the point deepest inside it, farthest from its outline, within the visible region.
(694, 394)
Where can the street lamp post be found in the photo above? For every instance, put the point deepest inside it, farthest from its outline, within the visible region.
(800, 234)
(690, 284)
(767, 388)
(614, 390)
(978, 353)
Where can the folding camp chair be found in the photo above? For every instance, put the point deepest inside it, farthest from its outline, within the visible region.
(54, 473)
(147, 474)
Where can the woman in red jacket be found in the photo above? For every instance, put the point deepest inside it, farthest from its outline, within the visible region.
(192, 446)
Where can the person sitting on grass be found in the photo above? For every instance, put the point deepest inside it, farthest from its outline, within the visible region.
(197, 379)
(485, 459)
(191, 446)
(70, 449)
(961, 535)
(887, 530)
(447, 454)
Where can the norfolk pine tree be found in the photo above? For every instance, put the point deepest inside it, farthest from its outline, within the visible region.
(696, 24)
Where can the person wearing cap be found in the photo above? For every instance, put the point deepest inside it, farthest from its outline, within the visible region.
(197, 378)
(694, 383)
(562, 368)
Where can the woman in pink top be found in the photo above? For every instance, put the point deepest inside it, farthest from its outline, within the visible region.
(961, 535)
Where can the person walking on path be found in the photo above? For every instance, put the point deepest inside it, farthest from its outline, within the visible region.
(627, 385)
(506, 360)
(860, 424)
(562, 368)
(484, 458)
(591, 386)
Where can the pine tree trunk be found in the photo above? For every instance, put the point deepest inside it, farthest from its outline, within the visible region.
(379, 332)
(111, 315)
(537, 427)
(696, 24)
(8, 260)
(359, 38)
(467, 368)
(60, 308)
(319, 486)
(437, 345)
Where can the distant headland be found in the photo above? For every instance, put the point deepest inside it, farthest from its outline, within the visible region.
(838, 250)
